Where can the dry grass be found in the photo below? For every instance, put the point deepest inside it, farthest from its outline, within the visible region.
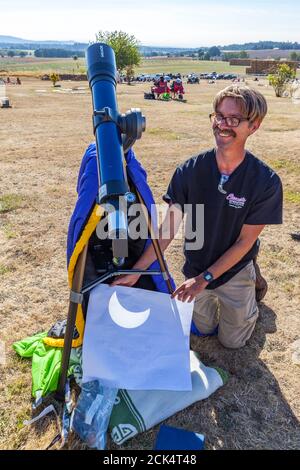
(43, 137)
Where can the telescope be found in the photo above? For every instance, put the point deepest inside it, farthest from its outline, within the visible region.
(114, 133)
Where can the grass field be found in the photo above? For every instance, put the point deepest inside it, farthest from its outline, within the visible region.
(187, 65)
(32, 66)
(39, 65)
(43, 137)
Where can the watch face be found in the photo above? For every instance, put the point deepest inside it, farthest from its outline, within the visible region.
(208, 277)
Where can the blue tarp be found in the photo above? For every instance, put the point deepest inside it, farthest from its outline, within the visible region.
(87, 189)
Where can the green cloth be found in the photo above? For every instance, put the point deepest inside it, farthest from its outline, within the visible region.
(46, 363)
(26, 347)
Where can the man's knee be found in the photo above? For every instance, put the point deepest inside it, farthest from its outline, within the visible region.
(235, 337)
(203, 328)
(231, 343)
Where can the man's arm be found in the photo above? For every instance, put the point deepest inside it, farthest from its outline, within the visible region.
(190, 288)
(167, 232)
(248, 236)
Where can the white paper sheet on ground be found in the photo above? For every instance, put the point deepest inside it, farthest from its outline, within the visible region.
(137, 339)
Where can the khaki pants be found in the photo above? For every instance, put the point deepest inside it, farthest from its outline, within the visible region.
(232, 306)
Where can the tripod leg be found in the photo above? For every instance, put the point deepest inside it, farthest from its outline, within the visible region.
(156, 245)
(75, 299)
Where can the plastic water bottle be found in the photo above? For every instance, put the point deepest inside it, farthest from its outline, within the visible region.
(91, 416)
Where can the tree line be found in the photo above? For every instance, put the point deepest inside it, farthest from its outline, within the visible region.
(57, 53)
(253, 46)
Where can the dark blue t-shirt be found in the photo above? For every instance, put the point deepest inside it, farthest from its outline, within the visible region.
(252, 195)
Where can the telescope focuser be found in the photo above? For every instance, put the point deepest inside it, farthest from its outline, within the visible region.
(131, 124)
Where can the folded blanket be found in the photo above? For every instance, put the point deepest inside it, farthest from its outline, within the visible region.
(136, 411)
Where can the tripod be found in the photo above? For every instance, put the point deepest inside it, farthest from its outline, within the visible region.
(78, 290)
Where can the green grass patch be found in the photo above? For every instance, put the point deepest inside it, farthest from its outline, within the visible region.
(41, 66)
(184, 66)
(23, 415)
(164, 133)
(4, 421)
(10, 202)
(20, 363)
(38, 65)
(16, 388)
(4, 269)
(9, 232)
(287, 165)
(278, 164)
(292, 196)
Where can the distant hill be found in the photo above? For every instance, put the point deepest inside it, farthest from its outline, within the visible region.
(21, 44)
(147, 50)
(271, 53)
(261, 45)
(11, 39)
(14, 40)
(11, 42)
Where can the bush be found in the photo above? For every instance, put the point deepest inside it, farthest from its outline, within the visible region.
(54, 77)
(279, 80)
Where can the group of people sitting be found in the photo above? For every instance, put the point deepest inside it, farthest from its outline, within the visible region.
(162, 88)
(8, 81)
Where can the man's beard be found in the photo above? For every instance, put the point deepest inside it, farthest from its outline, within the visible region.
(225, 132)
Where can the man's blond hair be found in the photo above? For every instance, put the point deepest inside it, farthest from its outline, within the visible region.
(251, 102)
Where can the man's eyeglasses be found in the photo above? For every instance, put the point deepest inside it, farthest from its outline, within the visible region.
(231, 121)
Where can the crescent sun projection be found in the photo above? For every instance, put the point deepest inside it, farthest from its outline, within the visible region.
(123, 317)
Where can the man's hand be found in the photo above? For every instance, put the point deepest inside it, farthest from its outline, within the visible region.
(127, 280)
(190, 288)
(167, 232)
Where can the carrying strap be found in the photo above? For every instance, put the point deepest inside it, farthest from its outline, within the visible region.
(76, 297)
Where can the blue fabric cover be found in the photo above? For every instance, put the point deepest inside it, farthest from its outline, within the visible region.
(87, 189)
(170, 438)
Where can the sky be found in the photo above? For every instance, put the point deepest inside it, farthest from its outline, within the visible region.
(184, 23)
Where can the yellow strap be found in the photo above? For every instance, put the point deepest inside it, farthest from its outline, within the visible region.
(83, 240)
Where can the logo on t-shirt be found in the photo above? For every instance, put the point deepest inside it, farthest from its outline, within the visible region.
(236, 202)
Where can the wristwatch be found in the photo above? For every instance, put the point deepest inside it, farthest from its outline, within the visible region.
(208, 276)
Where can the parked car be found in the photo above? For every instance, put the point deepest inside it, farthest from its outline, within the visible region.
(193, 78)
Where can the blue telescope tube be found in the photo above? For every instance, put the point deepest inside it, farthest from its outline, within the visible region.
(102, 73)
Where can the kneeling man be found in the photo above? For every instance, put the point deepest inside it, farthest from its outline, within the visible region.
(240, 195)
